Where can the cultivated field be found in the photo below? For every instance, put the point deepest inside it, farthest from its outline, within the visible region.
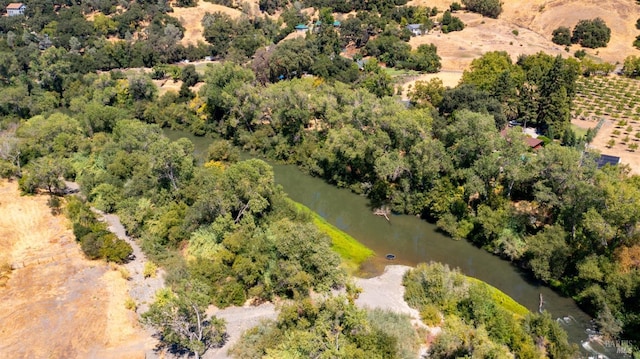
(613, 99)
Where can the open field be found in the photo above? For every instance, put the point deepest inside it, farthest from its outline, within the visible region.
(65, 305)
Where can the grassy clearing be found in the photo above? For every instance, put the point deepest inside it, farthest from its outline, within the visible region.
(352, 252)
(503, 300)
(393, 72)
(579, 131)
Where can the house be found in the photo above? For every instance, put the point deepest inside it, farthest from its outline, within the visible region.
(302, 28)
(416, 29)
(16, 8)
(534, 143)
(608, 160)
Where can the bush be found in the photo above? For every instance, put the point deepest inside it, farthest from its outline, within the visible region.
(580, 54)
(130, 304)
(430, 315)
(150, 269)
(114, 249)
(91, 245)
(451, 23)
(591, 33)
(561, 36)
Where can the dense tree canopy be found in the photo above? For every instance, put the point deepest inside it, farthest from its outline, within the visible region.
(591, 33)
(490, 8)
(228, 227)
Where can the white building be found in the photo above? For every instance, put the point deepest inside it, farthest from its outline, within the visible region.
(16, 8)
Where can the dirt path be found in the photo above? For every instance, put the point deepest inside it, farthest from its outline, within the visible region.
(239, 320)
(56, 303)
(142, 290)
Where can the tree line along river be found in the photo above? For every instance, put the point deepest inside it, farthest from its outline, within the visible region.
(413, 240)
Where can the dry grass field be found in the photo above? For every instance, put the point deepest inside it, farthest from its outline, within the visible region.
(66, 305)
(191, 19)
(534, 20)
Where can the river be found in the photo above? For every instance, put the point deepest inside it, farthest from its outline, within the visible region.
(414, 241)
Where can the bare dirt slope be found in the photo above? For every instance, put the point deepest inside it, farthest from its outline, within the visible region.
(534, 21)
(56, 303)
(191, 19)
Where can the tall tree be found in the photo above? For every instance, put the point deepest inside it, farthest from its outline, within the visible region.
(181, 319)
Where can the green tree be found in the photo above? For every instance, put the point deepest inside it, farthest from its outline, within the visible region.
(561, 36)
(218, 31)
(376, 80)
(181, 320)
(425, 58)
(591, 33)
(427, 93)
(548, 253)
(490, 8)
(631, 67)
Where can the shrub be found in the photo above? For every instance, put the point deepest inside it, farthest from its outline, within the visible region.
(515, 32)
(591, 33)
(124, 273)
(561, 36)
(115, 249)
(150, 269)
(130, 304)
(430, 315)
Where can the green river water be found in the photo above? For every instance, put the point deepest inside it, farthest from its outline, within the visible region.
(414, 241)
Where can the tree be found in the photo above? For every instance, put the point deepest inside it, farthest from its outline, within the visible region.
(561, 36)
(631, 67)
(189, 75)
(451, 23)
(218, 31)
(181, 320)
(490, 8)
(591, 33)
(427, 93)
(425, 58)
(376, 80)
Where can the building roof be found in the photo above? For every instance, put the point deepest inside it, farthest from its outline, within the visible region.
(607, 159)
(15, 6)
(414, 26)
(533, 142)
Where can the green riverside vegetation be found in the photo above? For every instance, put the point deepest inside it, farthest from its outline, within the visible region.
(479, 320)
(352, 252)
(226, 232)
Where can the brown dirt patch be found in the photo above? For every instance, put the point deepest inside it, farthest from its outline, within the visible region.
(482, 35)
(535, 20)
(57, 303)
(191, 19)
(449, 79)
